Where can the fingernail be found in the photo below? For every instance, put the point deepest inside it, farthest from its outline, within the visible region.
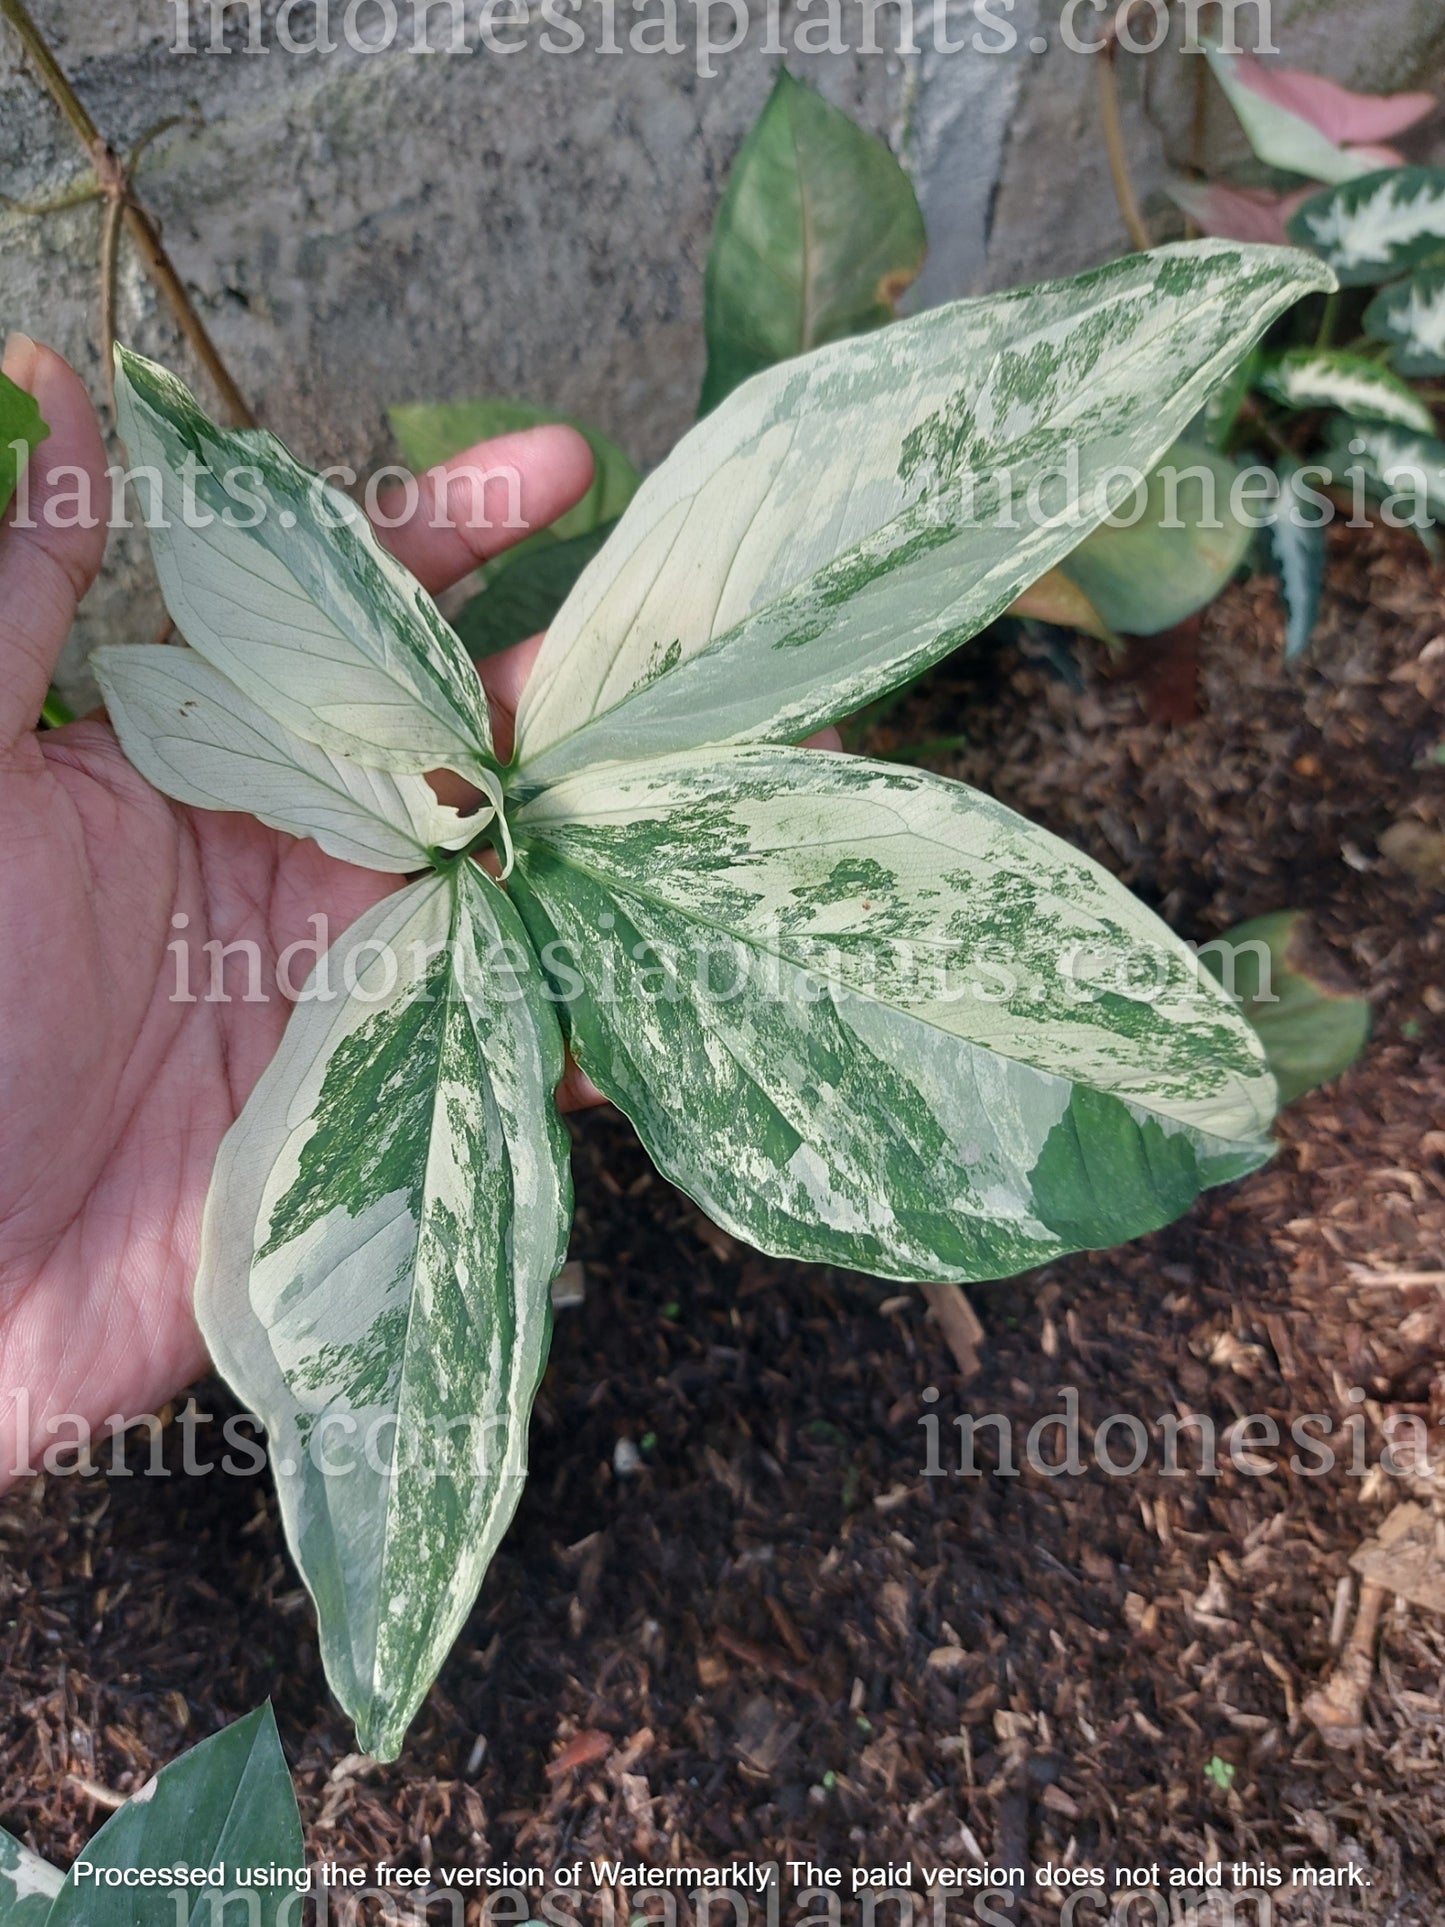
(21, 355)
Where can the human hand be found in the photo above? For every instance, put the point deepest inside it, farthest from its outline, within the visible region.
(114, 1095)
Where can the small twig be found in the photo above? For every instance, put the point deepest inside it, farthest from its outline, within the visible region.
(959, 1323)
(1118, 156)
(138, 223)
(1337, 1709)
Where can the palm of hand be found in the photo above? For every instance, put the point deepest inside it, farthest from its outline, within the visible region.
(115, 1090)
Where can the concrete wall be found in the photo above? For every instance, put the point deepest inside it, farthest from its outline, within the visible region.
(362, 229)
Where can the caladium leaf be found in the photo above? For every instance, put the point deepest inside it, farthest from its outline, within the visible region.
(867, 1016)
(1331, 378)
(1411, 316)
(196, 737)
(1312, 1028)
(1376, 228)
(817, 236)
(28, 1884)
(21, 433)
(429, 433)
(845, 519)
(227, 1803)
(385, 1220)
(303, 610)
(1299, 547)
(1185, 545)
(1276, 125)
(524, 598)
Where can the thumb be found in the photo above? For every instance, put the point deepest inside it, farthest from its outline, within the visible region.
(53, 537)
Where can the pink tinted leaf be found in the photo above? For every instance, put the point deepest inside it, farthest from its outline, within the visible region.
(1340, 114)
(1233, 213)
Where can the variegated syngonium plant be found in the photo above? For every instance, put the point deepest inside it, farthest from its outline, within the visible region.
(863, 1015)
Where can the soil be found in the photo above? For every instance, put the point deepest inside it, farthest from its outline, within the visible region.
(771, 1633)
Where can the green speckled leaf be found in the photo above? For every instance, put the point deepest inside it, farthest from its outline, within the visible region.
(1410, 315)
(192, 733)
(21, 433)
(1373, 229)
(818, 234)
(227, 1803)
(867, 1016)
(28, 1884)
(305, 612)
(844, 519)
(385, 1221)
(1357, 386)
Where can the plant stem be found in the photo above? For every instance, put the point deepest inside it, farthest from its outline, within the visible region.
(138, 223)
(1118, 158)
(1329, 320)
(54, 713)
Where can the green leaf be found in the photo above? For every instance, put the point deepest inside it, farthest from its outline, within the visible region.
(191, 733)
(818, 234)
(384, 1223)
(432, 432)
(1373, 229)
(1220, 414)
(20, 424)
(1299, 548)
(845, 519)
(1177, 557)
(1278, 137)
(866, 1016)
(1311, 1030)
(305, 612)
(227, 1803)
(1411, 316)
(28, 1884)
(1331, 378)
(525, 597)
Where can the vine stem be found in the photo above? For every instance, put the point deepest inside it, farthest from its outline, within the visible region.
(1118, 157)
(138, 223)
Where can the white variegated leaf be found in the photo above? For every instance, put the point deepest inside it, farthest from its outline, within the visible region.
(867, 1016)
(1278, 137)
(304, 611)
(28, 1884)
(846, 518)
(1299, 548)
(386, 1217)
(1411, 316)
(1332, 378)
(196, 737)
(1396, 463)
(1373, 229)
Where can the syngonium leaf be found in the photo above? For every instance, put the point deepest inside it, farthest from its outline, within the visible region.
(1410, 315)
(1311, 1028)
(28, 1884)
(1276, 124)
(817, 236)
(1357, 386)
(21, 433)
(1373, 229)
(192, 733)
(279, 582)
(383, 1227)
(844, 520)
(227, 1803)
(869, 1017)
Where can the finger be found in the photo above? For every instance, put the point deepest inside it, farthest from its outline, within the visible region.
(46, 566)
(485, 500)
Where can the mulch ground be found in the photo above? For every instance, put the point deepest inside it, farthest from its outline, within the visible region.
(761, 1629)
